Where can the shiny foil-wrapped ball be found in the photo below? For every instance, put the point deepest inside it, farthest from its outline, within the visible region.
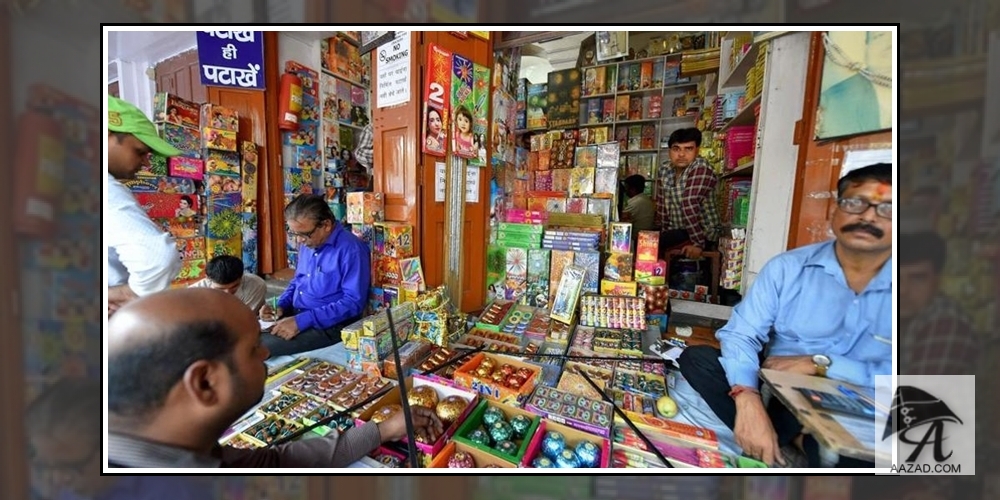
(553, 444)
(386, 412)
(501, 431)
(520, 424)
(514, 382)
(461, 460)
(507, 370)
(423, 395)
(542, 463)
(567, 459)
(507, 448)
(480, 436)
(588, 453)
(493, 415)
(450, 408)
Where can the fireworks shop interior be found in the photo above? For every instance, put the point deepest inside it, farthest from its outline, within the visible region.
(551, 219)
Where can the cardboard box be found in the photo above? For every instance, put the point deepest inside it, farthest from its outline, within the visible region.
(669, 429)
(573, 438)
(393, 397)
(593, 416)
(365, 208)
(184, 139)
(393, 239)
(350, 334)
(220, 117)
(379, 322)
(680, 454)
(475, 420)
(481, 458)
(465, 376)
(410, 355)
(377, 348)
(221, 140)
(168, 108)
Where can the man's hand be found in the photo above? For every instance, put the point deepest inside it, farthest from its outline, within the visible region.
(266, 313)
(285, 328)
(754, 431)
(692, 251)
(425, 424)
(791, 364)
(118, 296)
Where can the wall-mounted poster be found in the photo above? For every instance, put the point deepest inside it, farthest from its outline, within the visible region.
(856, 90)
(611, 44)
(462, 106)
(372, 39)
(437, 100)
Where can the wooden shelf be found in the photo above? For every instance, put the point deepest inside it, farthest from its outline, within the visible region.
(744, 169)
(344, 78)
(738, 76)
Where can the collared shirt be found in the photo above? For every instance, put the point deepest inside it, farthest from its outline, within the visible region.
(252, 290)
(640, 212)
(140, 253)
(364, 152)
(331, 282)
(803, 296)
(688, 201)
(940, 340)
(332, 450)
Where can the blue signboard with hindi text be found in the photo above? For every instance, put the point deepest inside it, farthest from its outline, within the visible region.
(231, 58)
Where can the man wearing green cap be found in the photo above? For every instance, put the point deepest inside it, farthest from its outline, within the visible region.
(142, 258)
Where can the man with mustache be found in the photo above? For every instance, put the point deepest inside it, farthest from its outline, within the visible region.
(823, 309)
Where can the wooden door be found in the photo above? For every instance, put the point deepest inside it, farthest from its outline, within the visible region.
(475, 228)
(114, 89)
(179, 75)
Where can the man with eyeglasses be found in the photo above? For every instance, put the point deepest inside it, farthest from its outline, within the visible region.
(330, 287)
(823, 309)
(142, 258)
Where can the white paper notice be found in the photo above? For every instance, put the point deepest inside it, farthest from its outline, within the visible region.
(392, 60)
(856, 159)
(471, 184)
(440, 170)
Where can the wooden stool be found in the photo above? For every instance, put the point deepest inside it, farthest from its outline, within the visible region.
(715, 262)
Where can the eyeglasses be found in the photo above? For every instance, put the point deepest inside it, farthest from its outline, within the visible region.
(304, 236)
(860, 206)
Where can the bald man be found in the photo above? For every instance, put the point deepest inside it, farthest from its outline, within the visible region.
(183, 365)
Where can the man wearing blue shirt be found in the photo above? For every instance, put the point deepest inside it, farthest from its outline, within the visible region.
(330, 287)
(823, 309)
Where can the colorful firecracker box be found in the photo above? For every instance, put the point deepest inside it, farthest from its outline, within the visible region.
(648, 247)
(217, 139)
(220, 117)
(393, 239)
(651, 272)
(365, 208)
(620, 288)
(378, 348)
(572, 436)
(475, 422)
(681, 433)
(494, 315)
(184, 139)
(350, 334)
(393, 397)
(579, 412)
(386, 271)
(411, 356)
(609, 311)
(168, 108)
(222, 162)
(190, 168)
(478, 374)
(376, 323)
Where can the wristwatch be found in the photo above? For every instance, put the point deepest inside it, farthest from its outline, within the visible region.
(822, 363)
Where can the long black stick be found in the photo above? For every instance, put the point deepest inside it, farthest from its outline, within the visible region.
(404, 401)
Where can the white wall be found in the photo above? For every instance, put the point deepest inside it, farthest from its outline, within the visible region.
(299, 47)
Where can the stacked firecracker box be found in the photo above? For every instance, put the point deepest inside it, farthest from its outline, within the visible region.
(170, 189)
(300, 151)
(206, 198)
(223, 181)
(650, 273)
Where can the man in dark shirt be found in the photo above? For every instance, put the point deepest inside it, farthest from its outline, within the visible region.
(183, 365)
(330, 287)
